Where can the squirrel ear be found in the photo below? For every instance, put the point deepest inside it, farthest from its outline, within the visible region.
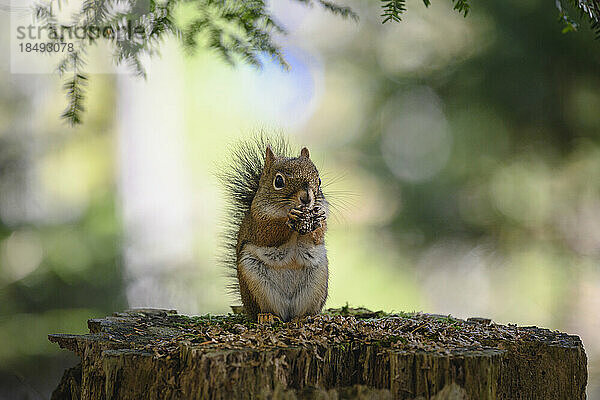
(304, 153)
(269, 156)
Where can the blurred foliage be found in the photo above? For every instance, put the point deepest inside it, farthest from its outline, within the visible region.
(510, 107)
(60, 241)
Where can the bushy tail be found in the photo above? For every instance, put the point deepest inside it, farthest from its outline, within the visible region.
(240, 178)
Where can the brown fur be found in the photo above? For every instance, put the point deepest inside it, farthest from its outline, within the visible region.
(318, 236)
(246, 293)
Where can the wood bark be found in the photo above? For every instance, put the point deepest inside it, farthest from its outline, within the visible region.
(158, 354)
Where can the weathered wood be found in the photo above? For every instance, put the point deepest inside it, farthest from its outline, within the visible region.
(158, 354)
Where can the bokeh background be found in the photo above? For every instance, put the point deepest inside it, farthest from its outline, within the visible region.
(462, 156)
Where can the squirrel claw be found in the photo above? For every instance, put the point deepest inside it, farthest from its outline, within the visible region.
(267, 319)
(292, 218)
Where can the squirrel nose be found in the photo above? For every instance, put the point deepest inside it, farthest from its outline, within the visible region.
(307, 197)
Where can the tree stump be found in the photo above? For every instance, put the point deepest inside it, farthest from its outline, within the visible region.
(343, 353)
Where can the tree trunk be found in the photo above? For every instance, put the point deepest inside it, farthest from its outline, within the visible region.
(345, 353)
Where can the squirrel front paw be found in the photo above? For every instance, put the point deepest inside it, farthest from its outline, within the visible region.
(304, 220)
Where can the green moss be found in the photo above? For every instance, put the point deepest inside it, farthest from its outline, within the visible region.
(357, 312)
(390, 340)
(448, 319)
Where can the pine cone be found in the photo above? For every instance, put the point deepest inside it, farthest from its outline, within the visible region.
(304, 220)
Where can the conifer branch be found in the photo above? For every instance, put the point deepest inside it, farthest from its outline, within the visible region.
(462, 6)
(392, 10)
(587, 9)
(75, 91)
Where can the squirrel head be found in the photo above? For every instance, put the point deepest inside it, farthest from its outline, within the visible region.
(286, 183)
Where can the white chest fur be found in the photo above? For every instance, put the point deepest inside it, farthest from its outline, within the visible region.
(299, 252)
(290, 280)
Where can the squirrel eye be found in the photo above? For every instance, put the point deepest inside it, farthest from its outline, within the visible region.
(279, 181)
(319, 182)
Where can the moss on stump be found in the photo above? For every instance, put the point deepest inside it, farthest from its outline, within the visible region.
(343, 353)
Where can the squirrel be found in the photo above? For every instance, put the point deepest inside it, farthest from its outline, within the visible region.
(276, 235)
